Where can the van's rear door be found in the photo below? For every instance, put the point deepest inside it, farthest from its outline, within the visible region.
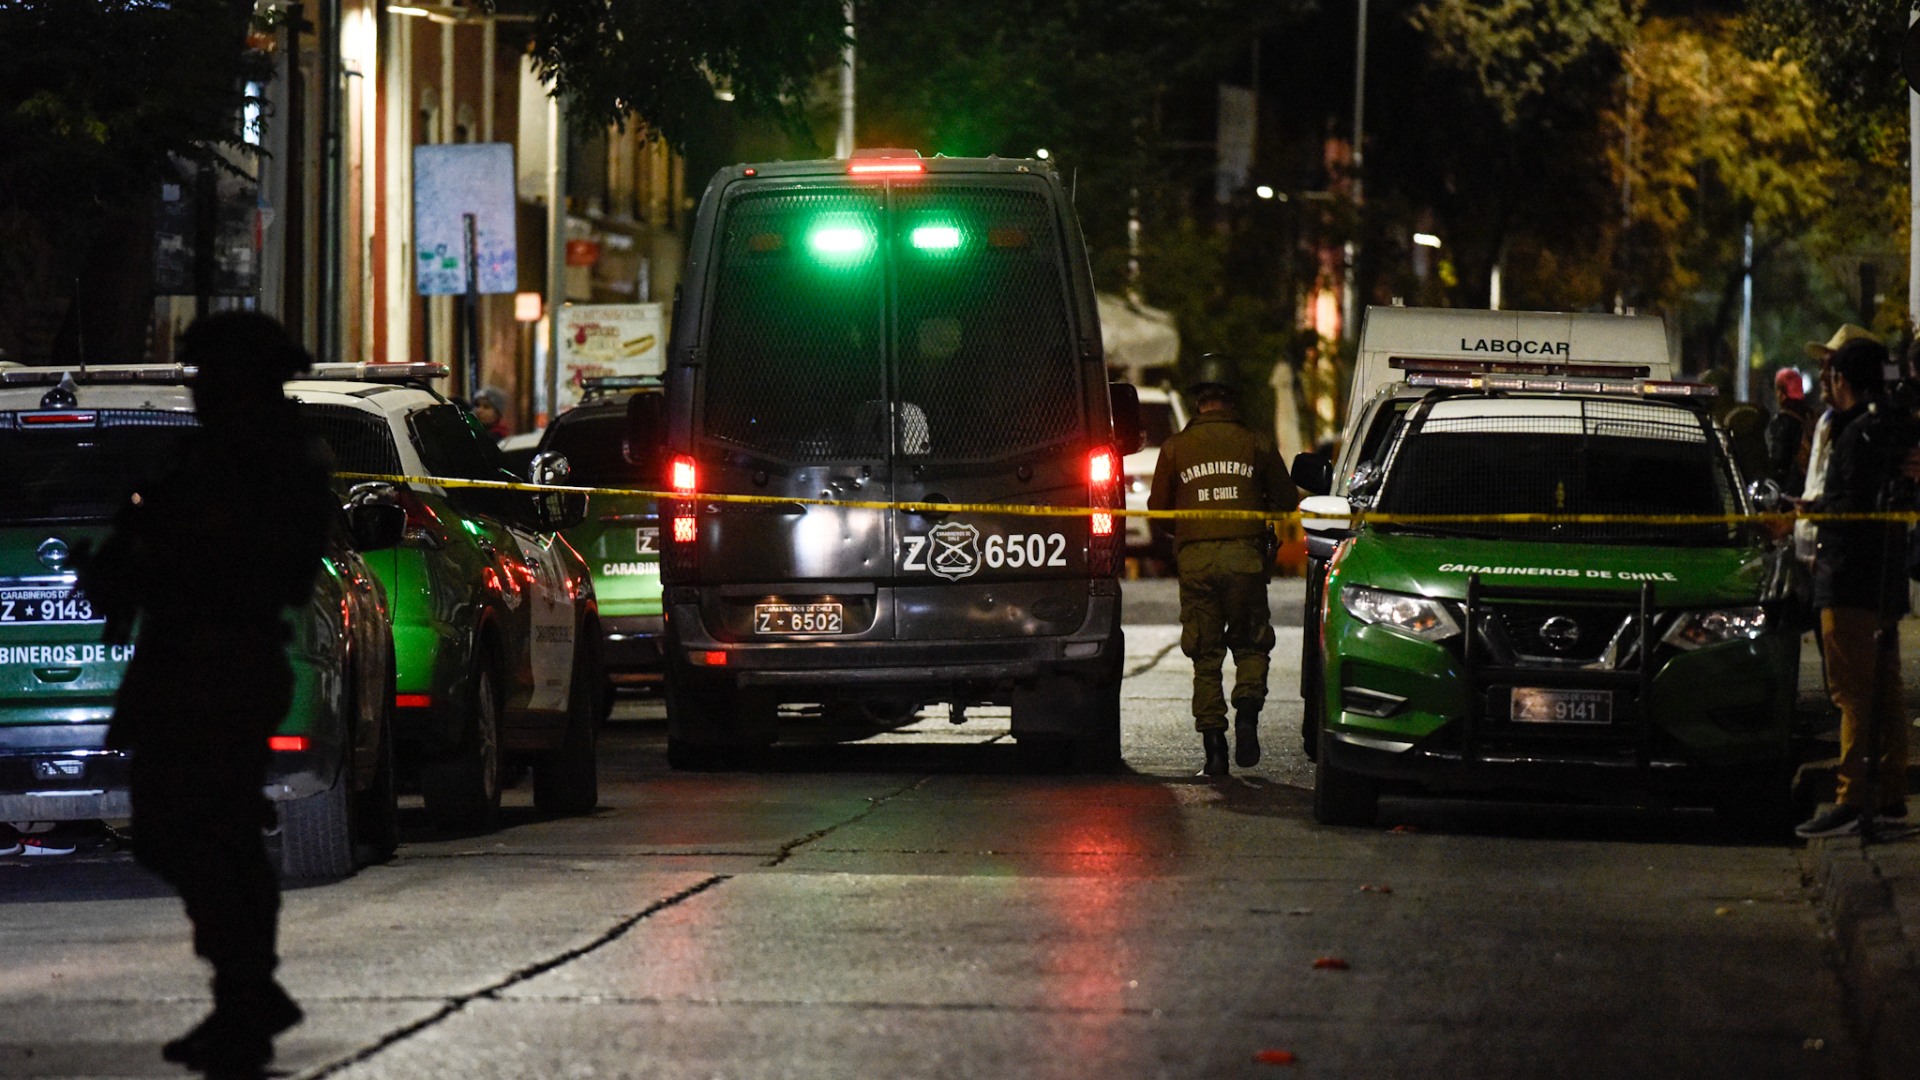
(993, 410)
(792, 405)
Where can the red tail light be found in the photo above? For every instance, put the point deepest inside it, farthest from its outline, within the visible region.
(686, 478)
(288, 742)
(683, 475)
(886, 167)
(413, 701)
(1103, 489)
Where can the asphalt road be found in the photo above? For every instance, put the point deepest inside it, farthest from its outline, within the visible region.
(931, 904)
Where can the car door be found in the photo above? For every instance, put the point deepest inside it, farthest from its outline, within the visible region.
(536, 607)
(793, 403)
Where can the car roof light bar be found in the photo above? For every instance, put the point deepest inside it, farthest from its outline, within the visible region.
(1536, 385)
(1434, 365)
(620, 382)
(102, 373)
(411, 371)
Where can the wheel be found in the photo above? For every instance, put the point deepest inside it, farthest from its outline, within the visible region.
(710, 713)
(1341, 797)
(566, 779)
(462, 789)
(1096, 749)
(316, 834)
(376, 808)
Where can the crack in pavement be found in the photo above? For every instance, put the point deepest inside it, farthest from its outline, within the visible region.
(786, 850)
(1153, 663)
(455, 1004)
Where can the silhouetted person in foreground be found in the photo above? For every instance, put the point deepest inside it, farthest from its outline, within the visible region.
(210, 556)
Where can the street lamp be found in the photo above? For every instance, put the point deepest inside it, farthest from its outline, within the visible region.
(1426, 239)
(1263, 191)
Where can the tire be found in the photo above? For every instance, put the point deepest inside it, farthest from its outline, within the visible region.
(462, 789)
(1096, 749)
(1343, 798)
(704, 712)
(566, 779)
(316, 834)
(1313, 713)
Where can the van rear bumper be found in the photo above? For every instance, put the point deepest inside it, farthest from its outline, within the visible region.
(865, 664)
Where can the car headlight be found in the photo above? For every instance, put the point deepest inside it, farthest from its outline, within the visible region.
(1414, 616)
(1698, 629)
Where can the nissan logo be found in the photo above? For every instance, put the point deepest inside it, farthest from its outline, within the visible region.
(53, 553)
(1560, 633)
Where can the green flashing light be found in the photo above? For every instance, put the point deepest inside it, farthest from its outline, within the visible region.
(840, 241)
(935, 238)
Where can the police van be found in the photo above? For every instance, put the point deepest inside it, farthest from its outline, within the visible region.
(1638, 647)
(857, 334)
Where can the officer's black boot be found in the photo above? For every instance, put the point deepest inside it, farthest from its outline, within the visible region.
(1215, 744)
(1246, 737)
(237, 1037)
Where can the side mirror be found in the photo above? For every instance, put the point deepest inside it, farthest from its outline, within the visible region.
(646, 428)
(555, 510)
(1325, 514)
(1129, 434)
(1312, 472)
(375, 519)
(1766, 497)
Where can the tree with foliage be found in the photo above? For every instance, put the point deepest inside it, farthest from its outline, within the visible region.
(665, 60)
(97, 97)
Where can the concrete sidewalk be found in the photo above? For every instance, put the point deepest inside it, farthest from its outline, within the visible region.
(1871, 894)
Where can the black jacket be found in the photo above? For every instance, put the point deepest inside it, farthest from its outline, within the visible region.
(1862, 564)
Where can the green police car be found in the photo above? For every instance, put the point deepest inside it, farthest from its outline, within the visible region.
(1629, 639)
(620, 536)
(495, 628)
(72, 447)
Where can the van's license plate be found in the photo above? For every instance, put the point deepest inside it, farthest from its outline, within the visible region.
(1532, 705)
(798, 619)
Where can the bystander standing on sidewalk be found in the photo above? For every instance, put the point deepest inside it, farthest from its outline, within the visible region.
(1860, 590)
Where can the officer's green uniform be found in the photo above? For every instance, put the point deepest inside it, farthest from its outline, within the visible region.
(1217, 463)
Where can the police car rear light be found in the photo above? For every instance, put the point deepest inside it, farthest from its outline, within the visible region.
(712, 659)
(413, 701)
(288, 743)
(685, 477)
(1103, 524)
(683, 530)
(60, 419)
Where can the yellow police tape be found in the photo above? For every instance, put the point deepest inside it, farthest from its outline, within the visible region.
(1366, 517)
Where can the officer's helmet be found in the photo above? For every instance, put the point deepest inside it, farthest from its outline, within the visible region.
(1215, 378)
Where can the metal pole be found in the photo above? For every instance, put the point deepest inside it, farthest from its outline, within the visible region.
(1742, 361)
(843, 142)
(1350, 302)
(471, 304)
(1913, 196)
(556, 245)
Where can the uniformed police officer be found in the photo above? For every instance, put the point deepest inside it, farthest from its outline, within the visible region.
(1218, 463)
(209, 556)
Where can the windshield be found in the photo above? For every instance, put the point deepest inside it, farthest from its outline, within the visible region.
(593, 446)
(1156, 420)
(1568, 457)
(83, 473)
(931, 321)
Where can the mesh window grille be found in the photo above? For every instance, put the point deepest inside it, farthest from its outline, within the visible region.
(982, 339)
(83, 474)
(1607, 458)
(797, 345)
(360, 441)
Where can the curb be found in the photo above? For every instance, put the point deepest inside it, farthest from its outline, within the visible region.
(1878, 969)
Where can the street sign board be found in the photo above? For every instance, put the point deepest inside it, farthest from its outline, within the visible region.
(452, 182)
